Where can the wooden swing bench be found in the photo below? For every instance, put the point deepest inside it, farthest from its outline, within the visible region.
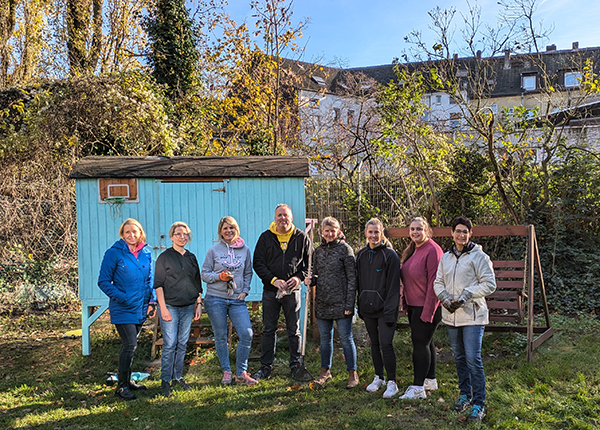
(511, 305)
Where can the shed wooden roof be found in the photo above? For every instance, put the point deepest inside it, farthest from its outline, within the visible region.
(190, 167)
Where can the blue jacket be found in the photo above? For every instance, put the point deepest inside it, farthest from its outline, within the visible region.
(127, 281)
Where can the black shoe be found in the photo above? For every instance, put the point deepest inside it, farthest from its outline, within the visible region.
(123, 392)
(165, 388)
(182, 384)
(133, 385)
(263, 373)
(299, 373)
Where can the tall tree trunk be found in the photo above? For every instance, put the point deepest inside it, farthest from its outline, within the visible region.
(7, 24)
(80, 14)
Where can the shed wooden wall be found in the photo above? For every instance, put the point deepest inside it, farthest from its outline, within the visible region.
(251, 201)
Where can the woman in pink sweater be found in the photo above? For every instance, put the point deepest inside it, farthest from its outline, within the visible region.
(419, 267)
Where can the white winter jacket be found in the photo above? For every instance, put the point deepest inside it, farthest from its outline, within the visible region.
(471, 271)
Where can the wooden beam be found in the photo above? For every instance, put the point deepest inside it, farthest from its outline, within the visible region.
(478, 231)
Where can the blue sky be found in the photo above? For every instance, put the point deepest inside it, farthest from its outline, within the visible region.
(371, 32)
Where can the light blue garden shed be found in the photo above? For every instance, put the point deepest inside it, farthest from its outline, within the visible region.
(158, 191)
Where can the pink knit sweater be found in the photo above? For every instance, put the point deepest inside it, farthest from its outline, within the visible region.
(418, 274)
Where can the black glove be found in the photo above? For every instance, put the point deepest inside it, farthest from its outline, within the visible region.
(390, 323)
(455, 305)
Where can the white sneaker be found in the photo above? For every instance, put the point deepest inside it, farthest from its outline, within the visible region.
(391, 391)
(430, 384)
(376, 384)
(414, 392)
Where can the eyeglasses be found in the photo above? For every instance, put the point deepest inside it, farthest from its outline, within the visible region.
(461, 232)
(181, 235)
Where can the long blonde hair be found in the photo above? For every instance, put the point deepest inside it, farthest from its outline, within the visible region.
(410, 249)
(377, 222)
(232, 222)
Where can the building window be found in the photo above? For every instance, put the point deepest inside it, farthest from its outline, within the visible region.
(337, 115)
(572, 79)
(528, 82)
(438, 100)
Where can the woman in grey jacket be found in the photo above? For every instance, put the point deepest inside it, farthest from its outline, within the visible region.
(227, 271)
(465, 276)
(334, 276)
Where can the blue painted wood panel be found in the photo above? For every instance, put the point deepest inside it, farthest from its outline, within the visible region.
(98, 228)
(200, 205)
(250, 201)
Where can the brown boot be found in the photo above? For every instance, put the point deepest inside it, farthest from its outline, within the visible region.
(352, 379)
(324, 376)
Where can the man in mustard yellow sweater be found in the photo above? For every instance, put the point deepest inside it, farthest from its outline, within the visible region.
(281, 260)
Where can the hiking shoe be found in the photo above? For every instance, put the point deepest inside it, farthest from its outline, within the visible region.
(477, 414)
(414, 392)
(246, 379)
(165, 388)
(226, 378)
(182, 384)
(391, 390)
(299, 373)
(462, 403)
(263, 373)
(376, 384)
(430, 384)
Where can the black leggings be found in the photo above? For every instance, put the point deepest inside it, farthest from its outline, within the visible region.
(129, 334)
(424, 356)
(382, 347)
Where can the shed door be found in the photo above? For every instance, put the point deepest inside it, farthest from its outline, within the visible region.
(199, 204)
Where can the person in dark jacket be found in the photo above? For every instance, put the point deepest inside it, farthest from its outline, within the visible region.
(334, 277)
(378, 268)
(281, 260)
(126, 278)
(178, 291)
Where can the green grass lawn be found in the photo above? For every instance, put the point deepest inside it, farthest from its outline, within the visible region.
(46, 383)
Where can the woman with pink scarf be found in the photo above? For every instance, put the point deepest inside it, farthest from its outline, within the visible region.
(227, 271)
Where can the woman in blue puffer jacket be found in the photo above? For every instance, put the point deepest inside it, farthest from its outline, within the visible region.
(126, 278)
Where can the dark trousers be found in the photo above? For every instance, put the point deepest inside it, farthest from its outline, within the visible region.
(382, 347)
(424, 355)
(270, 313)
(129, 334)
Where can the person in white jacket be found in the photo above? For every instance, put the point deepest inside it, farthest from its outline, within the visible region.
(464, 277)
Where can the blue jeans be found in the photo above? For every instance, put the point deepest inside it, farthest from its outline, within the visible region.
(270, 313)
(176, 334)
(217, 309)
(466, 346)
(344, 326)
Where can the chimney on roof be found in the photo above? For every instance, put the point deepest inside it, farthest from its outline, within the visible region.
(506, 59)
(551, 48)
(455, 57)
(479, 54)
(575, 46)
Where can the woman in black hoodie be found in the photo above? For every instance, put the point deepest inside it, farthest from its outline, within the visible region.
(378, 268)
